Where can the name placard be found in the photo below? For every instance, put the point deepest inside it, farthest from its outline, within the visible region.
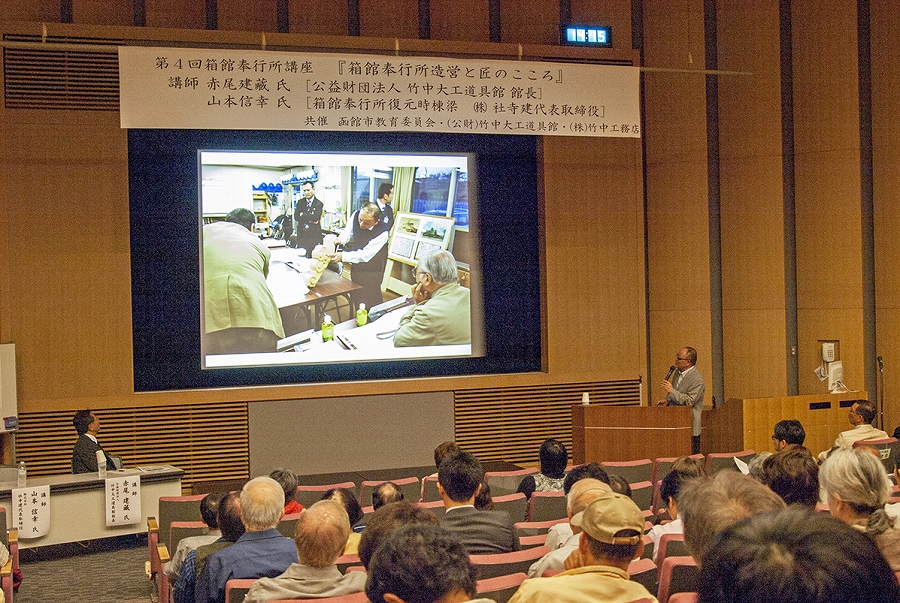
(123, 500)
(31, 511)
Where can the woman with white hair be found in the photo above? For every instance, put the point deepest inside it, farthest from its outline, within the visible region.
(857, 488)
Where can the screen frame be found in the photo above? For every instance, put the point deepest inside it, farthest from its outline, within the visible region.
(164, 198)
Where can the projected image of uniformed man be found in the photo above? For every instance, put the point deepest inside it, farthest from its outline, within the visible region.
(240, 313)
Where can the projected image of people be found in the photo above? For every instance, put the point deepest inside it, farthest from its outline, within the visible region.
(371, 274)
(441, 313)
(240, 312)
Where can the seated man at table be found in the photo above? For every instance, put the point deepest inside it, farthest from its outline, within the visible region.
(441, 313)
(84, 454)
(319, 536)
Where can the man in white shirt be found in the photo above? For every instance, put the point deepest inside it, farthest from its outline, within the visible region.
(365, 248)
(860, 415)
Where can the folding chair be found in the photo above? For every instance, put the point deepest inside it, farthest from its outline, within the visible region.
(345, 561)
(506, 482)
(670, 545)
(527, 542)
(632, 471)
(545, 506)
(287, 524)
(663, 465)
(410, 486)
(179, 530)
(684, 598)
(533, 528)
(503, 564)
(888, 448)
(501, 588)
(310, 495)
(236, 589)
(644, 572)
(171, 508)
(354, 598)
(436, 507)
(716, 461)
(514, 504)
(677, 575)
(642, 495)
(429, 489)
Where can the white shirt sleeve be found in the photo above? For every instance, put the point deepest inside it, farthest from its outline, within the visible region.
(368, 252)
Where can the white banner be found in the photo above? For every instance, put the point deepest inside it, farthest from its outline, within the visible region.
(273, 90)
(31, 511)
(123, 500)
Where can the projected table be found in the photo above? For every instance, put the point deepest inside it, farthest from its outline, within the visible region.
(288, 274)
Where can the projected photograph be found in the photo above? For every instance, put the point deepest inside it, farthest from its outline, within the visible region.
(311, 258)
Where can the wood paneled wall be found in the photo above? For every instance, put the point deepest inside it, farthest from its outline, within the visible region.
(752, 199)
(677, 194)
(885, 47)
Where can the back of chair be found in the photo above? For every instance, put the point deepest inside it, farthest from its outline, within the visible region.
(716, 461)
(184, 529)
(888, 448)
(345, 561)
(533, 528)
(177, 508)
(236, 589)
(354, 598)
(501, 588)
(309, 495)
(644, 572)
(545, 506)
(429, 489)
(663, 465)
(506, 482)
(684, 598)
(527, 542)
(670, 545)
(677, 575)
(410, 486)
(633, 471)
(287, 524)
(437, 507)
(503, 564)
(514, 504)
(642, 495)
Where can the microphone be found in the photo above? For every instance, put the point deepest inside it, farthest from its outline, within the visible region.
(669, 374)
(880, 363)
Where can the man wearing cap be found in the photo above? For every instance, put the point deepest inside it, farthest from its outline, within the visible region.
(612, 527)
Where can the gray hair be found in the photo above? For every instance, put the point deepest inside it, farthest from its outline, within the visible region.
(262, 503)
(441, 265)
(857, 478)
(321, 533)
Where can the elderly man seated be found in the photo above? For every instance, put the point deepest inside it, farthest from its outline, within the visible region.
(441, 313)
(320, 535)
(860, 415)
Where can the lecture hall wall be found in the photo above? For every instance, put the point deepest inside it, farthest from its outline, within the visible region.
(724, 228)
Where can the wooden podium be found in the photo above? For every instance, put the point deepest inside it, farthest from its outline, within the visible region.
(602, 432)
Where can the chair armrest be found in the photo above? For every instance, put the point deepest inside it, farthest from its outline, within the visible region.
(152, 525)
(6, 570)
(6, 580)
(163, 553)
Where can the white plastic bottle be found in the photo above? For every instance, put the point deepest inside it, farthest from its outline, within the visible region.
(23, 474)
(101, 464)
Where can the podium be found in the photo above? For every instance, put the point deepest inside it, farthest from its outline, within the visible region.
(603, 432)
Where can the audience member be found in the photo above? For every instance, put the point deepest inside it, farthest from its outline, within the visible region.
(320, 536)
(387, 519)
(793, 474)
(708, 505)
(442, 451)
(857, 488)
(385, 493)
(347, 498)
(483, 500)
(788, 432)
(421, 564)
(860, 415)
(612, 528)
(582, 494)
(620, 484)
(559, 534)
(288, 481)
(554, 458)
(755, 465)
(261, 551)
(669, 493)
(230, 525)
(481, 532)
(794, 556)
(209, 508)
